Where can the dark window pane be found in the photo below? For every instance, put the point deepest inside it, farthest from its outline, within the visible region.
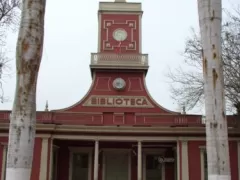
(54, 164)
(153, 168)
(80, 166)
(152, 162)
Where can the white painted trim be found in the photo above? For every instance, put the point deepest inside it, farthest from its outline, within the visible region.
(126, 129)
(178, 160)
(120, 7)
(73, 150)
(51, 160)
(202, 162)
(113, 150)
(149, 152)
(44, 160)
(99, 31)
(4, 159)
(140, 33)
(238, 149)
(117, 12)
(115, 138)
(163, 171)
(96, 163)
(139, 161)
(133, 138)
(185, 170)
(126, 138)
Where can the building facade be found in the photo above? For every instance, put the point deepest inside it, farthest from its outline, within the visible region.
(117, 131)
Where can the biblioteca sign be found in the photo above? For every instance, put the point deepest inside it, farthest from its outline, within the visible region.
(118, 101)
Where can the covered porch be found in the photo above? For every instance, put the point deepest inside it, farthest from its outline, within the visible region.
(118, 159)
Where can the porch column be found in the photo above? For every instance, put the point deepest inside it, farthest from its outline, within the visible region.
(51, 159)
(44, 160)
(178, 156)
(139, 161)
(183, 173)
(96, 153)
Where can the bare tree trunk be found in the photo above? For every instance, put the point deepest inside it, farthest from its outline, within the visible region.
(23, 117)
(210, 19)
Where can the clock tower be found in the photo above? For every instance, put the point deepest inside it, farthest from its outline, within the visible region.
(119, 37)
(119, 67)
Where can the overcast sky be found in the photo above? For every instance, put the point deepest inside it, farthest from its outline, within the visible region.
(71, 33)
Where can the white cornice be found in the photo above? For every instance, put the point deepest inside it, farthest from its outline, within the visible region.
(120, 129)
(120, 7)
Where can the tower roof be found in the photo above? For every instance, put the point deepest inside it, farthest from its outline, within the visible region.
(120, 6)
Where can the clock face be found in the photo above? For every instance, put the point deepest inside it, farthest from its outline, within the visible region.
(120, 34)
(119, 84)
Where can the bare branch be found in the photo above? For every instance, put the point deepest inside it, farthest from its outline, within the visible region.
(187, 86)
(9, 19)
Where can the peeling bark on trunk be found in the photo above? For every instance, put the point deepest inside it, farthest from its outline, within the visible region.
(23, 116)
(210, 19)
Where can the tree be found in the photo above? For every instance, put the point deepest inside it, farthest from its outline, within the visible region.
(9, 18)
(23, 116)
(187, 87)
(210, 21)
(4, 66)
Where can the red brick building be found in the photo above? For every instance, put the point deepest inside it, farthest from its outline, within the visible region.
(117, 131)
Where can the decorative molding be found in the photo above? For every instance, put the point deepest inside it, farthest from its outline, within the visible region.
(100, 79)
(118, 118)
(131, 81)
(124, 61)
(123, 7)
(129, 138)
(128, 25)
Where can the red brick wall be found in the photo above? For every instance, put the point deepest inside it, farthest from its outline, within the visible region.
(195, 161)
(36, 159)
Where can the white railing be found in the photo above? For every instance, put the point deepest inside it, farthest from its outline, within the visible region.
(119, 59)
